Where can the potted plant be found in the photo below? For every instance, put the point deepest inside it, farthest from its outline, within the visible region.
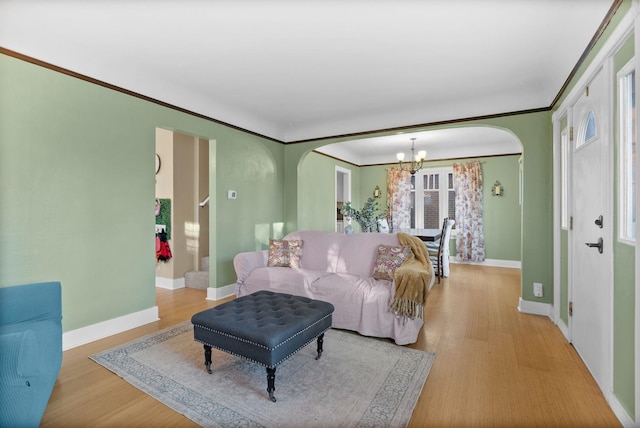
(367, 217)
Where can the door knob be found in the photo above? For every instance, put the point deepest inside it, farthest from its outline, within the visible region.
(597, 245)
(599, 221)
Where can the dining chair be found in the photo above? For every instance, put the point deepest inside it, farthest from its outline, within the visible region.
(435, 251)
(439, 249)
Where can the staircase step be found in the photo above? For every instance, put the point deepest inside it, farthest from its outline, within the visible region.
(199, 280)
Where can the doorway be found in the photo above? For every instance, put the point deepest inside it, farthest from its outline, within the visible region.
(343, 194)
(590, 321)
(182, 183)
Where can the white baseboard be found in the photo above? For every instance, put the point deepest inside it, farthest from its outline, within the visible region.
(620, 412)
(563, 328)
(220, 292)
(93, 332)
(535, 308)
(516, 264)
(170, 284)
(617, 408)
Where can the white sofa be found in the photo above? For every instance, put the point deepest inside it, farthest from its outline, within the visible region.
(336, 268)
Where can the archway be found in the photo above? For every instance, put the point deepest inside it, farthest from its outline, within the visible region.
(499, 151)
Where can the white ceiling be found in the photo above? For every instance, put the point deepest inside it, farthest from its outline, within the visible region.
(455, 143)
(296, 70)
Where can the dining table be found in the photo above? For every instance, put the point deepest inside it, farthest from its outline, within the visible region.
(423, 234)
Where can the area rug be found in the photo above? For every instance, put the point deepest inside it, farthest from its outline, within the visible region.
(358, 381)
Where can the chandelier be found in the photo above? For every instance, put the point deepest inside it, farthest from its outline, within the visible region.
(416, 159)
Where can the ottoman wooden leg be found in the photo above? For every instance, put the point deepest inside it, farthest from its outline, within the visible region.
(320, 342)
(271, 381)
(207, 358)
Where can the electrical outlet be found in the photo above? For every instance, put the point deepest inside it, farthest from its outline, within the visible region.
(537, 289)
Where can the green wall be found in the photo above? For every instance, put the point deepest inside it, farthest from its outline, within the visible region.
(254, 169)
(317, 191)
(502, 216)
(534, 132)
(623, 274)
(370, 177)
(77, 191)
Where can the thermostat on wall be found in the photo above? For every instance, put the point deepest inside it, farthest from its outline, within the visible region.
(231, 194)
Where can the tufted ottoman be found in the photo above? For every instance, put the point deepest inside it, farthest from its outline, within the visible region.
(263, 327)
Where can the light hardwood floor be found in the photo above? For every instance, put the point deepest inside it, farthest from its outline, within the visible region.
(494, 366)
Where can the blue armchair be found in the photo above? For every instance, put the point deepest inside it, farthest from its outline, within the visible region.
(30, 351)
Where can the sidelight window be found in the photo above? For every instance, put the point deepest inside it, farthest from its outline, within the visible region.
(627, 155)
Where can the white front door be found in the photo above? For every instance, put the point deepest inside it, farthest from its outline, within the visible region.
(591, 268)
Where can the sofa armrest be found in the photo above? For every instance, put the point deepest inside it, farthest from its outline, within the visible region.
(30, 350)
(244, 263)
(31, 303)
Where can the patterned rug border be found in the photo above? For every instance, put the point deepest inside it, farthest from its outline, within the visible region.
(384, 409)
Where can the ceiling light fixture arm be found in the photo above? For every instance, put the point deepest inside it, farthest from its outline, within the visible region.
(417, 161)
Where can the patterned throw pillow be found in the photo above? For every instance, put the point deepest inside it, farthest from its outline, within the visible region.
(388, 258)
(285, 253)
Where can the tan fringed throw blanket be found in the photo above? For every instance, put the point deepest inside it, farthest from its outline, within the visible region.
(412, 279)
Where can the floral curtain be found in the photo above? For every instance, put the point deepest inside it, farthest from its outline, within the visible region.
(399, 198)
(467, 183)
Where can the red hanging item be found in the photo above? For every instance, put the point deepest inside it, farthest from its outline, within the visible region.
(163, 252)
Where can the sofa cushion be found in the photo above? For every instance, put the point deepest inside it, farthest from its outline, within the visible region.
(388, 259)
(320, 249)
(18, 357)
(340, 253)
(352, 296)
(284, 280)
(285, 253)
(357, 254)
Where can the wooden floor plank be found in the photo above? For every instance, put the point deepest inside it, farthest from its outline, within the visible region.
(494, 366)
